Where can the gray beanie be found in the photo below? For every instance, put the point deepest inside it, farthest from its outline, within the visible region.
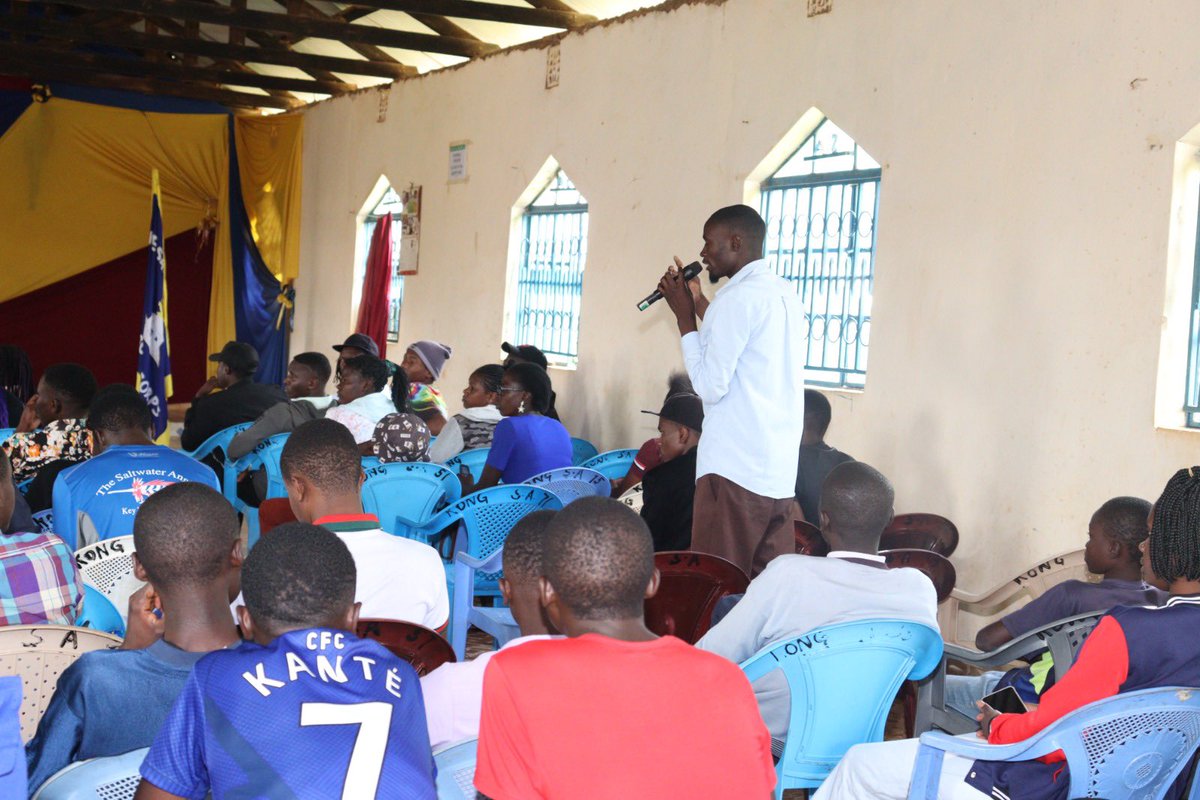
(432, 354)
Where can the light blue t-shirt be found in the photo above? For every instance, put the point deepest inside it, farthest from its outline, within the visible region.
(109, 488)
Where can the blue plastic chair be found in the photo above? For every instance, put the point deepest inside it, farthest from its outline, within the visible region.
(265, 455)
(6, 432)
(99, 613)
(613, 465)
(23, 486)
(114, 777)
(582, 450)
(1127, 746)
(456, 770)
(44, 520)
(843, 680)
(571, 483)
(497, 621)
(370, 461)
(474, 460)
(403, 494)
(13, 778)
(220, 439)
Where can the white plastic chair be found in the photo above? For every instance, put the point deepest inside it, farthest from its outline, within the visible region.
(633, 498)
(110, 778)
(107, 567)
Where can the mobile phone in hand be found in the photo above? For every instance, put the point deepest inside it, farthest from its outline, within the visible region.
(1006, 701)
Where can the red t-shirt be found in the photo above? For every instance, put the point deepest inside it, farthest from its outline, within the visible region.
(602, 718)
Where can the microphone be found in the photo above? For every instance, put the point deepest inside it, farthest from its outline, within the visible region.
(690, 271)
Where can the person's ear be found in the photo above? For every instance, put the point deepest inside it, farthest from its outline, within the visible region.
(822, 520)
(546, 593)
(1115, 548)
(506, 591)
(139, 571)
(246, 623)
(735, 242)
(351, 619)
(652, 586)
(236, 554)
(362, 478)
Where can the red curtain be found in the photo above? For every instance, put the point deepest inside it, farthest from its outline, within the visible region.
(95, 318)
(373, 308)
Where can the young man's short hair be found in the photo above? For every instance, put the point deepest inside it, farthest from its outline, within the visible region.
(741, 219)
(324, 451)
(523, 547)
(317, 362)
(598, 555)
(817, 408)
(73, 380)
(1124, 520)
(119, 407)
(298, 576)
(183, 534)
(858, 499)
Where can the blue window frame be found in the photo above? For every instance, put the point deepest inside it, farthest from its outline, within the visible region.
(550, 279)
(821, 207)
(390, 204)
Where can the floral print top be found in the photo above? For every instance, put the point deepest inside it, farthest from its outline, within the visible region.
(62, 439)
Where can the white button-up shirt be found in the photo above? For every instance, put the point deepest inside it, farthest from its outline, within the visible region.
(747, 364)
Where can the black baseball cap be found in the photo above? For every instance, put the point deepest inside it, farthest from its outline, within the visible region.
(684, 408)
(238, 356)
(526, 352)
(360, 341)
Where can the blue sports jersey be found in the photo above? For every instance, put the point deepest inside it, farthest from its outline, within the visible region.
(110, 487)
(317, 713)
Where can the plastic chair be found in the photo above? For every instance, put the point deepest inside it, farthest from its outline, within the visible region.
(400, 493)
(23, 486)
(843, 679)
(107, 566)
(920, 532)
(936, 567)
(634, 498)
(496, 621)
(274, 512)
(1028, 585)
(571, 483)
(265, 456)
(5, 433)
(39, 654)
(1062, 638)
(1120, 748)
(111, 778)
(582, 450)
(13, 777)
(425, 649)
(44, 521)
(690, 586)
(613, 464)
(456, 770)
(100, 614)
(809, 541)
(474, 460)
(220, 439)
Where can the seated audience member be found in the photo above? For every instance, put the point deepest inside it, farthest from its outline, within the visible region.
(473, 427)
(356, 344)
(241, 399)
(98, 499)
(649, 455)
(526, 442)
(1115, 534)
(817, 459)
(670, 488)
(112, 701)
(303, 707)
(423, 362)
(307, 376)
(1132, 648)
(16, 382)
(51, 425)
(528, 354)
(589, 716)
(398, 578)
(400, 436)
(363, 396)
(39, 582)
(18, 518)
(796, 593)
(453, 692)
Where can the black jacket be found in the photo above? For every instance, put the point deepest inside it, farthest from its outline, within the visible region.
(668, 492)
(242, 402)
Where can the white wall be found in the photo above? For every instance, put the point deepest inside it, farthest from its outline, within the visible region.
(1028, 156)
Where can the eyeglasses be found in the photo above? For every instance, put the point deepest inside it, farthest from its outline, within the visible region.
(511, 389)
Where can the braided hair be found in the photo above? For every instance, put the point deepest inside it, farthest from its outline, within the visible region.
(16, 373)
(1175, 534)
(491, 376)
(400, 388)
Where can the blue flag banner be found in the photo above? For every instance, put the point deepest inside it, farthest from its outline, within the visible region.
(154, 349)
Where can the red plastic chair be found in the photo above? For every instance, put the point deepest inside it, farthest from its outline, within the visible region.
(809, 541)
(273, 512)
(935, 566)
(691, 585)
(426, 650)
(920, 532)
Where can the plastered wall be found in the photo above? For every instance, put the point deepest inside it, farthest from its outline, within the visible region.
(1025, 234)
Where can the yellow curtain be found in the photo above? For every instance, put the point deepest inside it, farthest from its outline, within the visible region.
(269, 151)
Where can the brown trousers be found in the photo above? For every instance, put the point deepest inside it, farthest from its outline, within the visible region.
(736, 524)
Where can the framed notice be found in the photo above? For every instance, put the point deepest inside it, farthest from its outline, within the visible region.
(410, 229)
(458, 162)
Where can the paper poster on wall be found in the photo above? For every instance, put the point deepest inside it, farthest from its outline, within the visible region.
(458, 161)
(410, 229)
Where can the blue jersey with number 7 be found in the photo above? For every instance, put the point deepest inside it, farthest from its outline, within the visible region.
(317, 713)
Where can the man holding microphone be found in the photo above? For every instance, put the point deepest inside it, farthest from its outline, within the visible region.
(747, 364)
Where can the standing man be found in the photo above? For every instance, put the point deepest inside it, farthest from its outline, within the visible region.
(747, 365)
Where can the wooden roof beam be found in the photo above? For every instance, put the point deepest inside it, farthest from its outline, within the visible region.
(549, 17)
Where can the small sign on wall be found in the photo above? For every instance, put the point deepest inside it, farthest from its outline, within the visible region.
(458, 162)
(410, 229)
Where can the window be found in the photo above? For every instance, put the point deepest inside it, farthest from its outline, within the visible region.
(820, 208)
(389, 204)
(550, 278)
(1191, 404)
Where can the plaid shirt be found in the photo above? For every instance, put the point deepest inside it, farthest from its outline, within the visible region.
(63, 438)
(39, 582)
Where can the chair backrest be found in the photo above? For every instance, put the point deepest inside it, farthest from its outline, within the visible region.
(634, 497)
(107, 566)
(111, 778)
(474, 460)
(935, 566)
(690, 586)
(922, 532)
(14, 780)
(425, 649)
(265, 455)
(486, 517)
(613, 464)
(99, 613)
(843, 679)
(571, 483)
(582, 450)
(44, 520)
(809, 541)
(274, 511)
(456, 770)
(39, 654)
(6, 432)
(403, 493)
(220, 439)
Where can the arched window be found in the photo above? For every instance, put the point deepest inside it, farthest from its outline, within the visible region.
(390, 203)
(821, 208)
(550, 278)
